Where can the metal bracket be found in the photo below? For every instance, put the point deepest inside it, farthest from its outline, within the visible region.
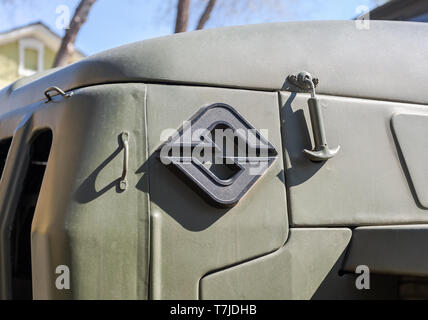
(58, 91)
(301, 81)
(123, 183)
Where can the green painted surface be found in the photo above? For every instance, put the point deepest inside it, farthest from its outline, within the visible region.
(191, 238)
(194, 250)
(293, 272)
(88, 224)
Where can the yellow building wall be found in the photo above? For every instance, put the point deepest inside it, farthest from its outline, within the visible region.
(48, 58)
(9, 61)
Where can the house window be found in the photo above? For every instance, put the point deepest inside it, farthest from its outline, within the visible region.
(31, 52)
(31, 59)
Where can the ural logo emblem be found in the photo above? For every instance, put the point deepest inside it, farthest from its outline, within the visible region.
(219, 153)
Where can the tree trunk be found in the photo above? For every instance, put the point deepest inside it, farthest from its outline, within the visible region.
(182, 16)
(67, 45)
(206, 15)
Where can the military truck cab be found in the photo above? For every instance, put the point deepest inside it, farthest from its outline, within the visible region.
(90, 210)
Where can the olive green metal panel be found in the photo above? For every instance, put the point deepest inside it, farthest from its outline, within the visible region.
(293, 272)
(22, 126)
(399, 250)
(10, 188)
(366, 182)
(190, 237)
(83, 220)
(412, 131)
(341, 285)
(348, 60)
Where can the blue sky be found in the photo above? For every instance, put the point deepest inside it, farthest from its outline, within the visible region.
(115, 22)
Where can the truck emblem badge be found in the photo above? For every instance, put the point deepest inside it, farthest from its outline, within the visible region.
(219, 153)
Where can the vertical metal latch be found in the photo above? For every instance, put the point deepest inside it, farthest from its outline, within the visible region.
(321, 151)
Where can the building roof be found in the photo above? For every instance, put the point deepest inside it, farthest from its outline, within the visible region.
(404, 10)
(39, 30)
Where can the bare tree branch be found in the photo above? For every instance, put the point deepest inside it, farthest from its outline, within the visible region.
(182, 16)
(67, 45)
(206, 14)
